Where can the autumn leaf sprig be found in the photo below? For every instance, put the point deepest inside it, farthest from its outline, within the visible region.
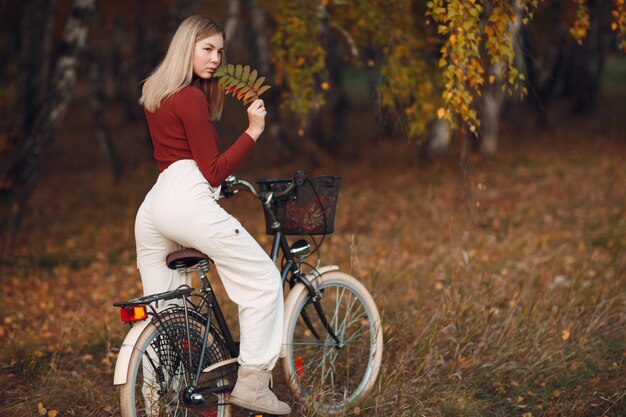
(244, 84)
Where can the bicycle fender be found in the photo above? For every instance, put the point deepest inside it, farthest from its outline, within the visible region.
(292, 298)
(123, 358)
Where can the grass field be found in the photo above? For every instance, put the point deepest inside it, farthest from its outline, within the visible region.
(518, 312)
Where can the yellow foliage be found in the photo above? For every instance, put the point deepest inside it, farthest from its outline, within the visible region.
(581, 24)
(474, 46)
(619, 23)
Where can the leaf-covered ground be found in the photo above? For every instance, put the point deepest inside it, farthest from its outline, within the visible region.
(519, 312)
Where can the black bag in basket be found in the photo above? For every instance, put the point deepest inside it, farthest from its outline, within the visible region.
(309, 209)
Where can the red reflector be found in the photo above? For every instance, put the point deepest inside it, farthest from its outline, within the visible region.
(299, 366)
(132, 314)
(210, 413)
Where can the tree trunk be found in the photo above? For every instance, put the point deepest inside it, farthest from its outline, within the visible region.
(122, 68)
(25, 168)
(231, 22)
(101, 130)
(98, 82)
(468, 186)
(11, 77)
(493, 96)
(260, 54)
(437, 140)
(261, 38)
(149, 48)
(336, 98)
(36, 33)
(543, 79)
(587, 71)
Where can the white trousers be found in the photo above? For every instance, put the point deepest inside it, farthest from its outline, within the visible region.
(181, 210)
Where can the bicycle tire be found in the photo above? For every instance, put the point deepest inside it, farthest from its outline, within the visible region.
(332, 379)
(155, 356)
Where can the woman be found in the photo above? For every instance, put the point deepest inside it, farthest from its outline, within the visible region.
(180, 100)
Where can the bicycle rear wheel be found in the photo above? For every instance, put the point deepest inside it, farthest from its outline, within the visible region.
(158, 370)
(317, 371)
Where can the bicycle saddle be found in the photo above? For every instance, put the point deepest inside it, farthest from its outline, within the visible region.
(184, 258)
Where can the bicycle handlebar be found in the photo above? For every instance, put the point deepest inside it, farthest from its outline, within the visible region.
(231, 181)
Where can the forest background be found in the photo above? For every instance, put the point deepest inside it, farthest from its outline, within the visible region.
(482, 150)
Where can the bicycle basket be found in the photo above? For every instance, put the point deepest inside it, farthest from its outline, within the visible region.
(309, 209)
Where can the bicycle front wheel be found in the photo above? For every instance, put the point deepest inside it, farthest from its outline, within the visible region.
(318, 370)
(158, 371)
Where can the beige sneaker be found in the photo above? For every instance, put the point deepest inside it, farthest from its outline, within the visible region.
(252, 392)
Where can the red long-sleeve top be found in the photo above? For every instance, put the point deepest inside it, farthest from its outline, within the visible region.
(181, 128)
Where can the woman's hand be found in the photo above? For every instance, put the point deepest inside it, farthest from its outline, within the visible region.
(256, 119)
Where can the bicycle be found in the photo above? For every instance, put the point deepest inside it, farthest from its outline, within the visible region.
(180, 358)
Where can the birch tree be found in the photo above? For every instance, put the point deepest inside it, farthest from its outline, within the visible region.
(25, 168)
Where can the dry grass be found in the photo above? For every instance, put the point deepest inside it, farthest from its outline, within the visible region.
(522, 313)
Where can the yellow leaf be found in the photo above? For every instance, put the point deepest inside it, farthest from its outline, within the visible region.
(565, 334)
(41, 409)
(527, 415)
(441, 113)
(325, 86)
(53, 413)
(452, 39)
(492, 78)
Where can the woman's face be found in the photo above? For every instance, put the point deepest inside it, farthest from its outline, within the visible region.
(207, 56)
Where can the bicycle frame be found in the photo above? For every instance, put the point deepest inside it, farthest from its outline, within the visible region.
(279, 244)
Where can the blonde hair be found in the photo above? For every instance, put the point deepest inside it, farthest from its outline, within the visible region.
(175, 72)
